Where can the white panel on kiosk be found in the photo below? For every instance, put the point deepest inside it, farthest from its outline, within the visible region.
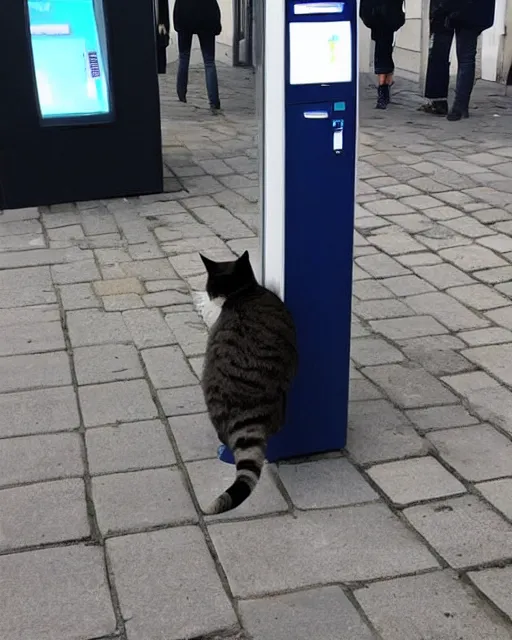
(274, 148)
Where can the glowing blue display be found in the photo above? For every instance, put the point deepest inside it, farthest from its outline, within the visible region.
(70, 58)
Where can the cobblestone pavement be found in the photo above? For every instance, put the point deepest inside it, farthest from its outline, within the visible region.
(106, 453)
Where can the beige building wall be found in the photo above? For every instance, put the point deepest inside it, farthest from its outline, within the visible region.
(496, 50)
(409, 42)
(507, 45)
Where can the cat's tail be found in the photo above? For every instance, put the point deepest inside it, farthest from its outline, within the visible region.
(249, 452)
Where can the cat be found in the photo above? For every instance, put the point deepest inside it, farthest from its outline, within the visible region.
(251, 359)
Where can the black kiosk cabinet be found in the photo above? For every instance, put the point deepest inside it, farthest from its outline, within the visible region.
(79, 101)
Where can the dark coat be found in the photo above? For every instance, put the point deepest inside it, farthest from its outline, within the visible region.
(469, 14)
(197, 16)
(382, 15)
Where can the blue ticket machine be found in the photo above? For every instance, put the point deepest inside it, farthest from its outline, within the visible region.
(306, 59)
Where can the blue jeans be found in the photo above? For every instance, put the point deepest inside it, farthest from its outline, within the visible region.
(207, 43)
(438, 70)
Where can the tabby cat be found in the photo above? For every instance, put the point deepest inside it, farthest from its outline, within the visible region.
(251, 359)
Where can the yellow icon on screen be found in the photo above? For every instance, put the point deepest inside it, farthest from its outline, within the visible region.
(333, 42)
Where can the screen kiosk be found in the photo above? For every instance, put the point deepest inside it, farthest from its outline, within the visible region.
(79, 112)
(307, 58)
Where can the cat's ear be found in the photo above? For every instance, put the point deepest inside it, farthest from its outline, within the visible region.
(244, 267)
(209, 264)
(244, 258)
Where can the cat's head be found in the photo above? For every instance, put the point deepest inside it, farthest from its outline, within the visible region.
(227, 278)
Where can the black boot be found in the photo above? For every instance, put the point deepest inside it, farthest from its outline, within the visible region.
(457, 113)
(435, 108)
(382, 96)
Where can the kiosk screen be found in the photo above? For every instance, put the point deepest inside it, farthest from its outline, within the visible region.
(320, 52)
(70, 60)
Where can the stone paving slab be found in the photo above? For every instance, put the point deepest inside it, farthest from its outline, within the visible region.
(415, 480)
(94, 327)
(128, 447)
(496, 359)
(440, 361)
(115, 402)
(55, 594)
(325, 483)
(31, 338)
(103, 430)
(106, 363)
(495, 584)
(44, 513)
(363, 390)
(195, 436)
(183, 595)
(476, 452)
(435, 605)
(377, 431)
(148, 328)
(47, 313)
(409, 387)
(182, 401)
(478, 337)
(493, 404)
(465, 531)
(39, 411)
(309, 549)
(319, 613)
(404, 328)
(18, 373)
(499, 494)
(141, 500)
(434, 418)
(167, 367)
(369, 351)
(78, 296)
(40, 457)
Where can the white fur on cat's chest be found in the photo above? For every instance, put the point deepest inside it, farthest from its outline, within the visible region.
(209, 310)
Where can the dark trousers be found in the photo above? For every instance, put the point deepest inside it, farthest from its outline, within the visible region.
(383, 53)
(207, 43)
(438, 70)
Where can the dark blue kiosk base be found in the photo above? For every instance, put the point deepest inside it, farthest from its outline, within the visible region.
(284, 445)
(320, 157)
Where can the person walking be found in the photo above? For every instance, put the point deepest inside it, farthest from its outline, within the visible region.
(383, 18)
(465, 20)
(162, 34)
(201, 18)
